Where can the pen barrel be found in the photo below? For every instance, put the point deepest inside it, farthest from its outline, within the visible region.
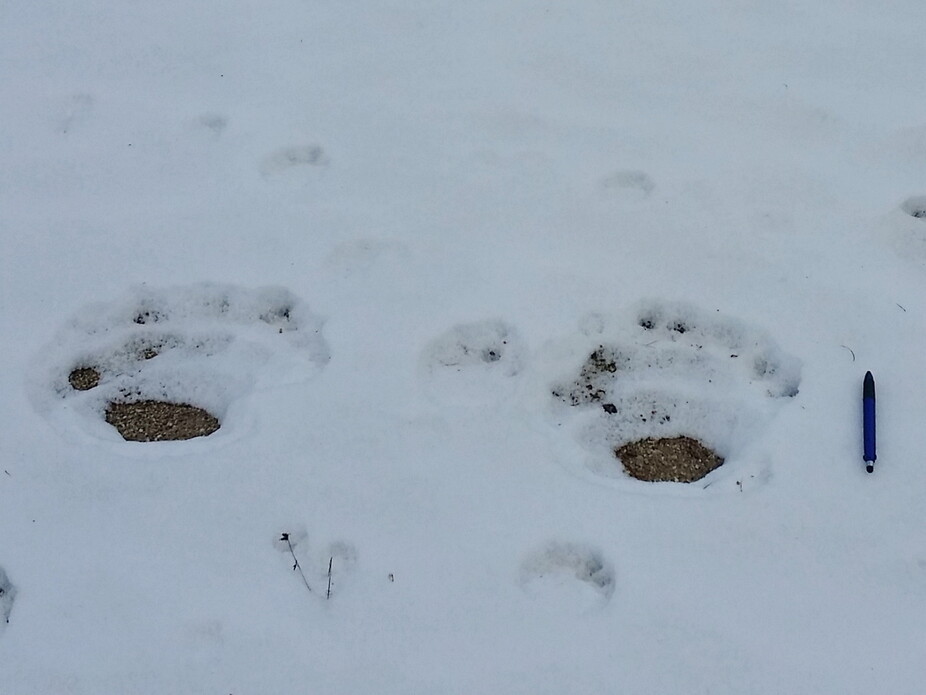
(868, 408)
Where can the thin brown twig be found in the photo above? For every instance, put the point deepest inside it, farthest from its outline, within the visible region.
(296, 565)
(330, 561)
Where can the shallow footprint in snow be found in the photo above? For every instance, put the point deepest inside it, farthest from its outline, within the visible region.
(294, 156)
(214, 123)
(628, 185)
(472, 363)
(168, 364)
(7, 596)
(76, 110)
(567, 575)
(915, 207)
(671, 392)
(905, 229)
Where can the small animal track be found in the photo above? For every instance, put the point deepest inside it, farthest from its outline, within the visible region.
(670, 373)
(628, 185)
(905, 230)
(202, 346)
(473, 361)
(915, 207)
(567, 572)
(294, 156)
(7, 596)
(213, 122)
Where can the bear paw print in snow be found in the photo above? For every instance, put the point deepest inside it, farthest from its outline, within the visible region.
(671, 393)
(167, 364)
(472, 363)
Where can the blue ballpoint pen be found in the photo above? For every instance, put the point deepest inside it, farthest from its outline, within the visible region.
(868, 409)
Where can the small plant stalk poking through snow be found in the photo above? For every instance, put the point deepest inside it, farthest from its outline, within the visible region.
(296, 566)
(330, 562)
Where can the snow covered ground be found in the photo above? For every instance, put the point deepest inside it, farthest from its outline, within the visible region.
(376, 238)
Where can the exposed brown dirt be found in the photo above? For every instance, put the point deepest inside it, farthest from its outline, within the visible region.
(595, 376)
(157, 421)
(84, 378)
(675, 459)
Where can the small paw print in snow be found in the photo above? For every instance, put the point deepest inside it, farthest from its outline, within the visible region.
(292, 157)
(628, 185)
(168, 364)
(673, 392)
(915, 207)
(7, 596)
(473, 362)
(213, 123)
(904, 228)
(571, 575)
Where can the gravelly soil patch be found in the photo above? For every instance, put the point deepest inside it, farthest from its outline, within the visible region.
(674, 459)
(84, 378)
(157, 421)
(594, 378)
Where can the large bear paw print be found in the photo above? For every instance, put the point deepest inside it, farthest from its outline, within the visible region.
(671, 393)
(168, 364)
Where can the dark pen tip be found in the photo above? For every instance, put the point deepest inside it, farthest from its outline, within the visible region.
(870, 468)
(868, 387)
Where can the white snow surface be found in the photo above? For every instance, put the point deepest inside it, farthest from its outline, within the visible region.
(375, 238)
